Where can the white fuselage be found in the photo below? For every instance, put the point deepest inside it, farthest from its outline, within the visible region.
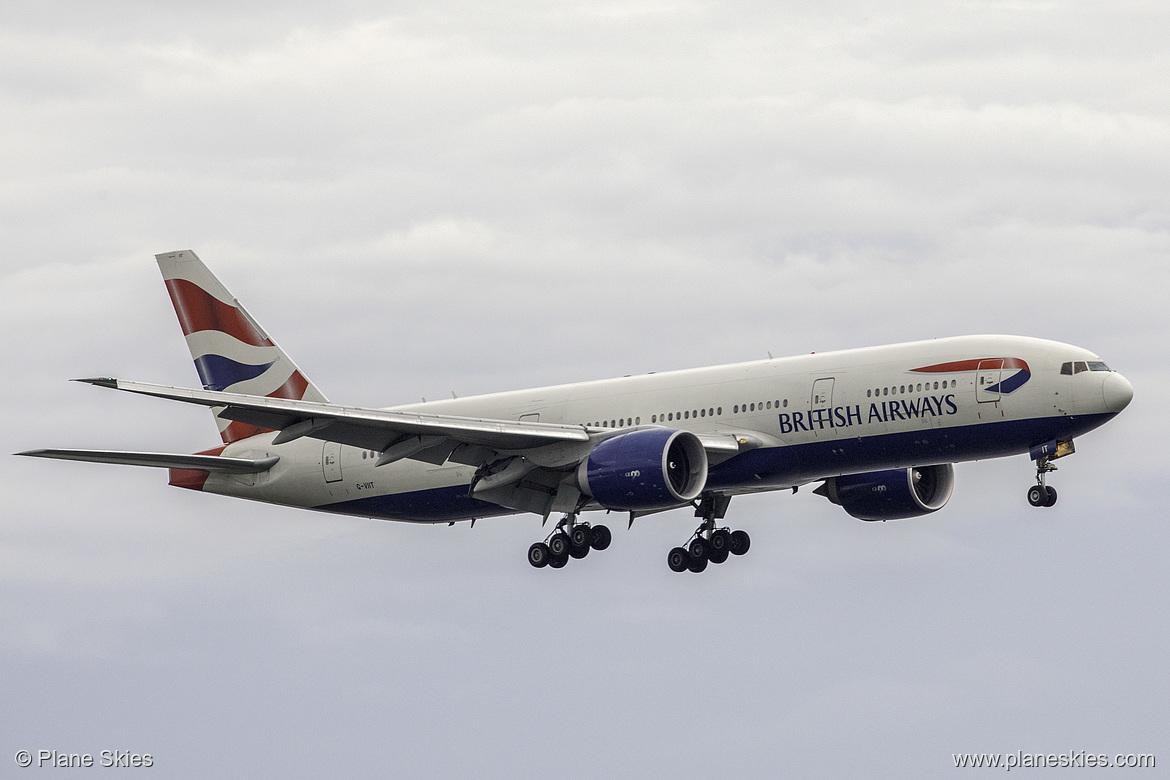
(798, 418)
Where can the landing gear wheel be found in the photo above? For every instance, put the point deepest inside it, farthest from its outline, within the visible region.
(678, 559)
(558, 545)
(580, 536)
(696, 564)
(740, 542)
(1051, 491)
(720, 541)
(578, 552)
(600, 537)
(557, 563)
(1038, 495)
(718, 556)
(538, 555)
(698, 549)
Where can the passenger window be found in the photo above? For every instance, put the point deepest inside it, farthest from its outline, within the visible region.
(753, 407)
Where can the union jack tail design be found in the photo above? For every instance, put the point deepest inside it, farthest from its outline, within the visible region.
(230, 349)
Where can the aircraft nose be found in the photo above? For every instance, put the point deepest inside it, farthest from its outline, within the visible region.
(1118, 392)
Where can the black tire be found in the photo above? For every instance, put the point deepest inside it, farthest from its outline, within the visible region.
(1051, 495)
(697, 564)
(557, 563)
(580, 535)
(698, 548)
(538, 555)
(718, 556)
(559, 545)
(1037, 495)
(720, 541)
(677, 559)
(578, 552)
(740, 542)
(600, 538)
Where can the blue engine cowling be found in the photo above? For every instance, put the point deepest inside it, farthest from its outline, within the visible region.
(893, 494)
(645, 470)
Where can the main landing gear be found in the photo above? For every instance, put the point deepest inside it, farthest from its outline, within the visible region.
(570, 539)
(1042, 494)
(708, 543)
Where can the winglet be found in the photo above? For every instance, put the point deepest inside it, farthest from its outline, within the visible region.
(100, 381)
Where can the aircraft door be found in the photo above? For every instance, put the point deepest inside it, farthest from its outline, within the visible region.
(822, 399)
(331, 461)
(987, 378)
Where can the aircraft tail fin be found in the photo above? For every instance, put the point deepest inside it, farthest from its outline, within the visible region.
(231, 351)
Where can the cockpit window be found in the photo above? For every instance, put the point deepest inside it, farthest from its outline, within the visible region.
(1082, 365)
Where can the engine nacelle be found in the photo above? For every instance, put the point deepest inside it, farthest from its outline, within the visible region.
(644, 470)
(893, 494)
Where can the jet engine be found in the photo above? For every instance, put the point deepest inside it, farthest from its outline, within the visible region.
(893, 494)
(645, 470)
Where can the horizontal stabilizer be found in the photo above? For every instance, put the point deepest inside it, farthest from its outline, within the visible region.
(163, 460)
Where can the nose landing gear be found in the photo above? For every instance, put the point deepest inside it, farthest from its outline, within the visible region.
(570, 539)
(1041, 494)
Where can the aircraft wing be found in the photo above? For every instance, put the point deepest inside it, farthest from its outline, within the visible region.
(164, 460)
(430, 437)
(526, 466)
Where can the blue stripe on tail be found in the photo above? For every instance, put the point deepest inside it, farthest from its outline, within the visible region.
(219, 373)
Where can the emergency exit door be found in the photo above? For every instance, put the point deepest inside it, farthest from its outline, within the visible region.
(331, 461)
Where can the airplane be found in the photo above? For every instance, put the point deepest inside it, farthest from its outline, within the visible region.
(878, 427)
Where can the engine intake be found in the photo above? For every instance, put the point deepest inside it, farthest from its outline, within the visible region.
(645, 470)
(893, 494)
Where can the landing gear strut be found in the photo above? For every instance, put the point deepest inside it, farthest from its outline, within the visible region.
(570, 539)
(709, 544)
(1042, 494)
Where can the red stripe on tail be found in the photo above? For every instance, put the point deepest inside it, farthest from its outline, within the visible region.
(192, 479)
(293, 389)
(200, 311)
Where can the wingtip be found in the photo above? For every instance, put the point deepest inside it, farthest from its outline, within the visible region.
(100, 381)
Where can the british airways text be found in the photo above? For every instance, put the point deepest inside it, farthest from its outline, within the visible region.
(886, 411)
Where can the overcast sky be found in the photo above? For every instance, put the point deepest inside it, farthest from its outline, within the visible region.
(420, 198)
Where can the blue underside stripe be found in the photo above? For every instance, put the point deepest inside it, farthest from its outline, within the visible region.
(780, 466)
